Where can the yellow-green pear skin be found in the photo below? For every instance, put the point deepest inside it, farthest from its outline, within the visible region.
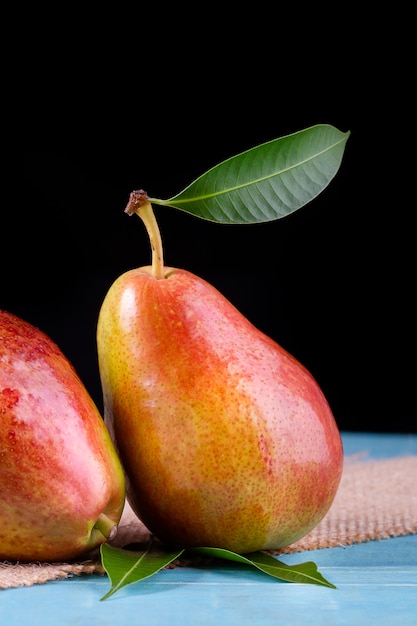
(62, 488)
(226, 439)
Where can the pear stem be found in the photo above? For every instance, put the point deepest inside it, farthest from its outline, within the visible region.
(106, 526)
(148, 218)
(139, 204)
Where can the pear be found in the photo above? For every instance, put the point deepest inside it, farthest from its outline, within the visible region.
(225, 438)
(62, 488)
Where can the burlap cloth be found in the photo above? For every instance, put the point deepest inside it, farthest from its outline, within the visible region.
(376, 499)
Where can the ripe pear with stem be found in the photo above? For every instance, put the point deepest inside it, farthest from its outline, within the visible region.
(226, 439)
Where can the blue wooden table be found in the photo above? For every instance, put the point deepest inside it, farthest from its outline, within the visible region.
(376, 584)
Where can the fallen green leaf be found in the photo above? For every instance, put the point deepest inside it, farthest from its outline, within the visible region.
(267, 182)
(125, 567)
(300, 573)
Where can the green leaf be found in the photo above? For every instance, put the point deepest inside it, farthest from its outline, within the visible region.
(300, 573)
(267, 182)
(125, 567)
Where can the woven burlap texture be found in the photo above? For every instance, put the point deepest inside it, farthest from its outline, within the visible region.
(376, 499)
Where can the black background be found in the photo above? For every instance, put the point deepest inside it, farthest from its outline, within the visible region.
(116, 107)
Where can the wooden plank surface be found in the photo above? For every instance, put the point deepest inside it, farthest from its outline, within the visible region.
(376, 584)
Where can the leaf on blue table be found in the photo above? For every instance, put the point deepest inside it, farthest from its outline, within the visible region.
(125, 567)
(266, 182)
(299, 573)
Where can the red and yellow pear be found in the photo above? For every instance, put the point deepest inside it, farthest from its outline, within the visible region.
(226, 439)
(62, 488)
